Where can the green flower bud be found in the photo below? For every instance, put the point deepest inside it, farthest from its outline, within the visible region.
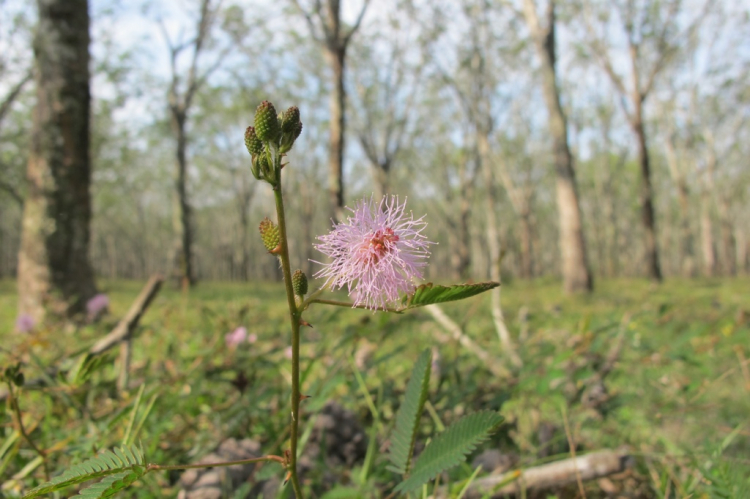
(289, 120)
(255, 167)
(291, 127)
(269, 233)
(265, 168)
(299, 283)
(252, 142)
(266, 122)
(297, 130)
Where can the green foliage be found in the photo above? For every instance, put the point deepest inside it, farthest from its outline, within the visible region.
(408, 416)
(429, 293)
(111, 484)
(727, 481)
(121, 467)
(451, 447)
(679, 343)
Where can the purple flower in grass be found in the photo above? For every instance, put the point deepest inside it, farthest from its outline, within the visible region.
(96, 305)
(236, 337)
(25, 323)
(377, 253)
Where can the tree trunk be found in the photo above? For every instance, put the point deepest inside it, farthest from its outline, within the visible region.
(648, 217)
(181, 213)
(683, 196)
(54, 269)
(527, 253)
(727, 238)
(243, 207)
(493, 248)
(380, 173)
(575, 269)
(743, 252)
(707, 238)
(336, 59)
(459, 235)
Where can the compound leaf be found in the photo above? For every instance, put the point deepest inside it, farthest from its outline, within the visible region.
(450, 448)
(407, 419)
(429, 293)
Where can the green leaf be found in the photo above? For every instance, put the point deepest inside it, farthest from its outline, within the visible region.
(129, 460)
(429, 293)
(409, 414)
(450, 448)
(111, 484)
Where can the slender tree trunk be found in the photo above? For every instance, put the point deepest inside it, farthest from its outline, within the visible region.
(181, 211)
(380, 174)
(575, 270)
(727, 238)
(613, 234)
(141, 245)
(743, 252)
(687, 252)
(648, 217)
(336, 59)
(459, 235)
(307, 200)
(493, 248)
(54, 269)
(527, 252)
(243, 207)
(707, 238)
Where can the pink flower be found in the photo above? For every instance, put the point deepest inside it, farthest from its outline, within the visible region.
(96, 305)
(288, 352)
(25, 323)
(236, 337)
(376, 253)
(252, 338)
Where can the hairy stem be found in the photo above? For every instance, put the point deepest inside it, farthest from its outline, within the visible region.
(294, 316)
(337, 303)
(161, 467)
(13, 402)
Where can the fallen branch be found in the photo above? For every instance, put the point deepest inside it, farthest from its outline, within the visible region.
(120, 334)
(548, 476)
(492, 363)
(127, 324)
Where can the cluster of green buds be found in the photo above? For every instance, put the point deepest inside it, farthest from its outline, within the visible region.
(271, 137)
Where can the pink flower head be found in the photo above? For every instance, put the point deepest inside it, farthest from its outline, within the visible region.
(96, 305)
(25, 323)
(376, 253)
(236, 337)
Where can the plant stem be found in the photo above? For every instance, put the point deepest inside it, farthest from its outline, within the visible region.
(337, 303)
(13, 401)
(161, 467)
(294, 316)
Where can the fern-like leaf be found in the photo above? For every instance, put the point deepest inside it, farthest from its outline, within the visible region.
(429, 293)
(409, 414)
(125, 459)
(111, 484)
(450, 448)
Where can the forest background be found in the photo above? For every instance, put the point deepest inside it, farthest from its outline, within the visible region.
(581, 154)
(425, 87)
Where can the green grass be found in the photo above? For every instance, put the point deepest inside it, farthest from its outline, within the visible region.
(678, 399)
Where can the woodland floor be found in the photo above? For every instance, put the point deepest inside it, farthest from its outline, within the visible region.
(677, 398)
